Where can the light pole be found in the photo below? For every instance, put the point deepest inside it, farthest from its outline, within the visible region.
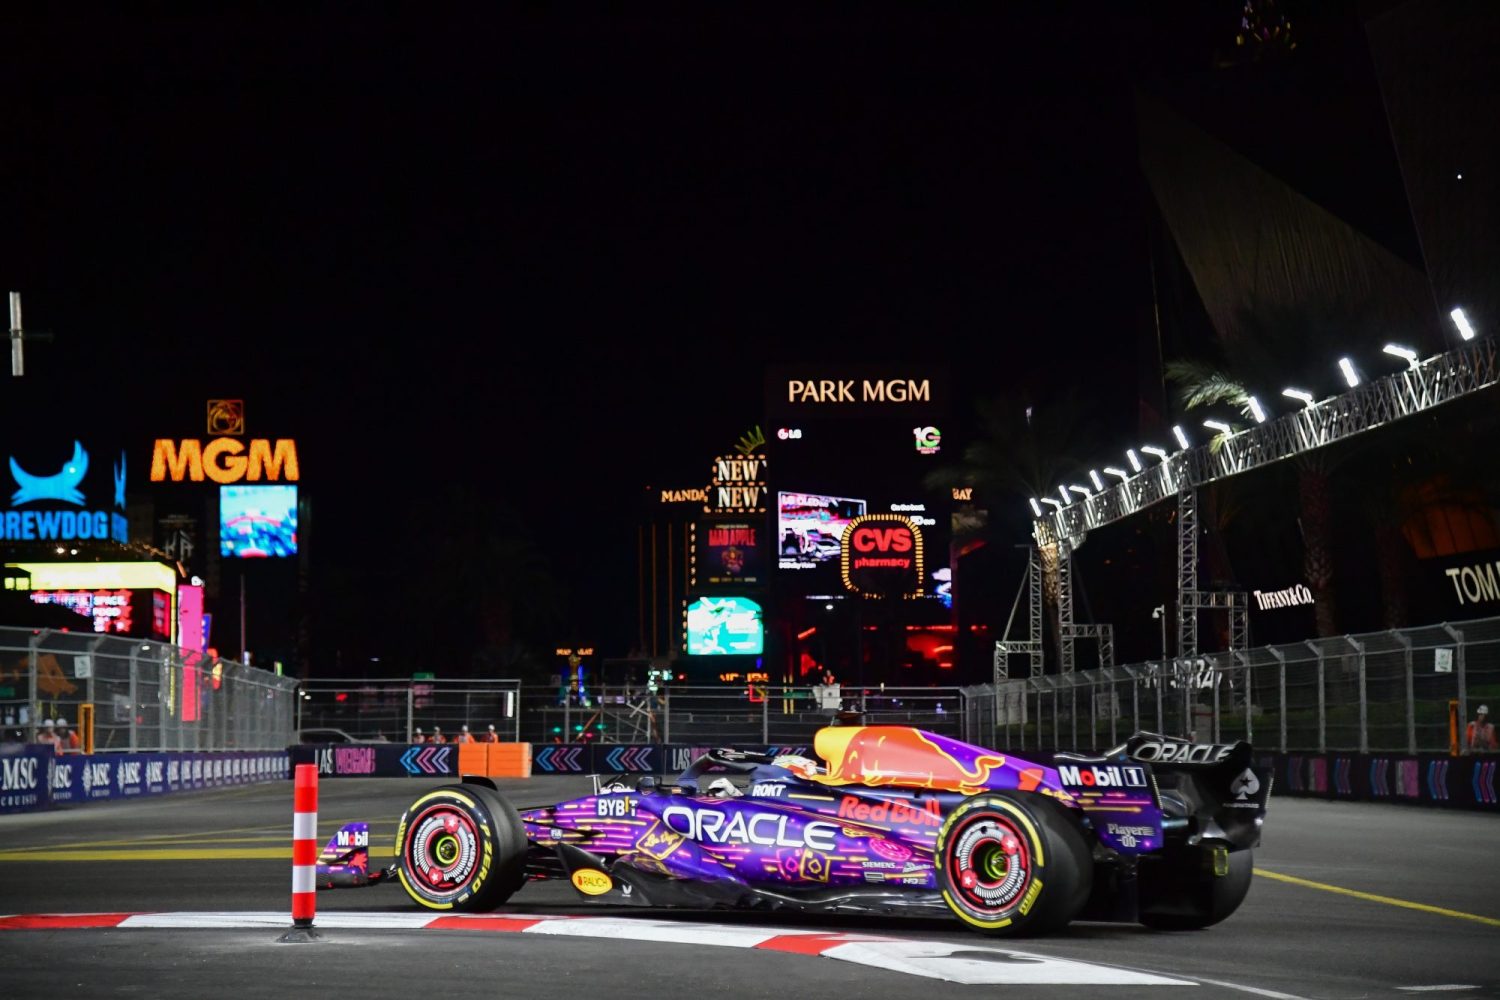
(1160, 611)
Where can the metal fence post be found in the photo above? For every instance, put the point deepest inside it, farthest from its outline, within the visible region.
(1281, 691)
(1460, 676)
(134, 699)
(33, 705)
(1322, 705)
(1249, 698)
(1411, 700)
(1364, 703)
(1135, 702)
(411, 706)
(1093, 711)
(1160, 679)
(1218, 676)
(666, 713)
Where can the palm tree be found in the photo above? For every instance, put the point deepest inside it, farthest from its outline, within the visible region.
(492, 585)
(1023, 448)
(1273, 346)
(1205, 384)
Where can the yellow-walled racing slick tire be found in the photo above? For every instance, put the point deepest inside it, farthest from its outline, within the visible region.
(461, 848)
(1013, 863)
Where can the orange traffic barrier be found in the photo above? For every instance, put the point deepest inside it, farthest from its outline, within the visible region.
(472, 759)
(509, 760)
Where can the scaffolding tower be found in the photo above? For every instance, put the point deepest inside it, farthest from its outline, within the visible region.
(1440, 379)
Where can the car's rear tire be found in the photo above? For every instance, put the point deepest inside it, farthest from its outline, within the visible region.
(1012, 863)
(461, 847)
(1193, 888)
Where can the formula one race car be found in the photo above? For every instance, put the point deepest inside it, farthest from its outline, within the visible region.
(897, 821)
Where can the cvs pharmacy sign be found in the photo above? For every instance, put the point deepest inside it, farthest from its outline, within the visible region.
(881, 554)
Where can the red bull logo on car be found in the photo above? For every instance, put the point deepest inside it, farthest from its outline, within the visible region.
(895, 755)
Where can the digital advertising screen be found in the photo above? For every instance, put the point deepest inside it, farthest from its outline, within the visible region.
(729, 553)
(117, 611)
(257, 521)
(809, 527)
(725, 626)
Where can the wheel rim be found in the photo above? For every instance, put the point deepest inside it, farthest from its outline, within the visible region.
(442, 852)
(990, 863)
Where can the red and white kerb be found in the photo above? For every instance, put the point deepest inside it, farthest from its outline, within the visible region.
(305, 845)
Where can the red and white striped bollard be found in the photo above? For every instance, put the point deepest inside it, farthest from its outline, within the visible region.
(304, 846)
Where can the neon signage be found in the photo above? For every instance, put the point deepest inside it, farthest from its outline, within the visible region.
(848, 390)
(225, 460)
(63, 487)
(738, 485)
(881, 555)
(929, 440)
(109, 609)
(699, 495)
(226, 416)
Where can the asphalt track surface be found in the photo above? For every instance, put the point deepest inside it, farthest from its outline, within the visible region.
(1350, 900)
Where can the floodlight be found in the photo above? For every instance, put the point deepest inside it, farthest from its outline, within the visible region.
(1350, 375)
(1152, 449)
(1255, 410)
(1036, 508)
(1054, 503)
(1082, 491)
(1094, 478)
(1062, 491)
(1135, 463)
(1182, 441)
(1462, 322)
(1218, 425)
(1305, 398)
(1120, 474)
(1404, 353)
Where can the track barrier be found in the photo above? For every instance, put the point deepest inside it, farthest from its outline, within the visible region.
(416, 760)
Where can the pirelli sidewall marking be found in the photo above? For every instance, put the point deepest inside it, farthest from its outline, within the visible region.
(1020, 817)
(486, 838)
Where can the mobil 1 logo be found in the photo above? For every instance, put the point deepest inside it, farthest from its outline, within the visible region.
(1102, 777)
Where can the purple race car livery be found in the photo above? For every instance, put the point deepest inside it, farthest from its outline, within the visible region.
(891, 820)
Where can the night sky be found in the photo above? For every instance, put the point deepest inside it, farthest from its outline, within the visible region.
(547, 254)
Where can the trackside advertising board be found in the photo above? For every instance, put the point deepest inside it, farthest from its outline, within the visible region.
(35, 777)
(426, 761)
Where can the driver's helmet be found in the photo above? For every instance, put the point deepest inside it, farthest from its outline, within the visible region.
(723, 788)
(803, 767)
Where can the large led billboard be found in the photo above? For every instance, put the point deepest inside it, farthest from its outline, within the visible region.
(728, 554)
(257, 521)
(118, 610)
(809, 527)
(718, 626)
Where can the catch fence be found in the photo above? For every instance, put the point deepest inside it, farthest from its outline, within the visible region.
(142, 695)
(1407, 690)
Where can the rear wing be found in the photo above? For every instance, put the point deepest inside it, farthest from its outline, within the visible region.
(1215, 787)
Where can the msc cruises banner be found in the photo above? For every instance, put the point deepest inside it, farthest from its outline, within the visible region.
(36, 777)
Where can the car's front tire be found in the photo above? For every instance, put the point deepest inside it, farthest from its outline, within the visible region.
(461, 847)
